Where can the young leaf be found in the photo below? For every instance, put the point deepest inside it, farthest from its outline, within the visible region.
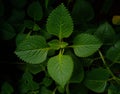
(60, 23)
(85, 45)
(56, 44)
(96, 80)
(35, 11)
(105, 32)
(32, 50)
(60, 68)
(113, 53)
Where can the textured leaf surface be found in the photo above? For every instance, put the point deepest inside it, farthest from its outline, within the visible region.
(113, 53)
(60, 68)
(35, 11)
(60, 23)
(96, 80)
(32, 50)
(85, 45)
(105, 32)
(56, 44)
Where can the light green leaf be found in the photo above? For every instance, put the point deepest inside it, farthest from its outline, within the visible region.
(85, 45)
(60, 68)
(113, 53)
(96, 80)
(105, 33)
(35, 11)
(56, 44)
(6, 88)
(32, 50)
(60, 23)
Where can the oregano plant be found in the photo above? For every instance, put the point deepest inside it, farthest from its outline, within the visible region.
(61, 49)
(34, 48)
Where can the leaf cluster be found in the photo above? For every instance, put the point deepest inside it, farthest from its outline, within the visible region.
(76, 56)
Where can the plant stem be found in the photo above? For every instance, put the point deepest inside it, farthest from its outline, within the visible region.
(104, 62)
(54, 90)
(67, 89)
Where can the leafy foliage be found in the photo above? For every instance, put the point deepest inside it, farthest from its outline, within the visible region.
(35, 11)
(60, 23)
(60, 68)
(85, 45)
(96, 80)
(62, 47)
(33, 49)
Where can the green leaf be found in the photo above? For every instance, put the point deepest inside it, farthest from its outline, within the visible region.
(36, 27)
(8, 31)
(6, 88)
(60, 23)
(34, 68)
(60, 68)
(27, 83)
(85, 45)
(78, 72)
(29, 24)
(105, 33)
(113, 53)
(114, 89)
(56, 44)
(44, 90)
(47, 81)
(82, 11)
(35, 11)
(96, 80)
(32, 50)
(20, 37)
